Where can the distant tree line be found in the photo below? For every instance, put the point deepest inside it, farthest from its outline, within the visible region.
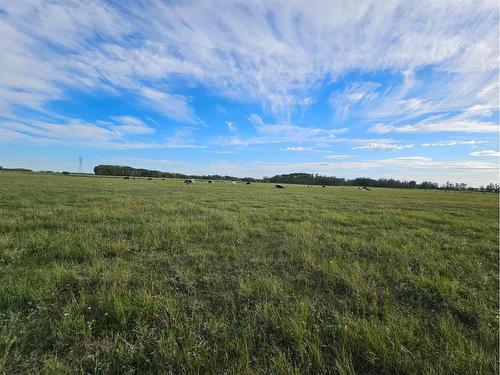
(294, 178)
(119, 170)
(316, 179)
(15, 169)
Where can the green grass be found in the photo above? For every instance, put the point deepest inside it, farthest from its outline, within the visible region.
(105, 275)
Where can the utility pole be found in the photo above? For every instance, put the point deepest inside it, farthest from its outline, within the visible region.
(80, 162)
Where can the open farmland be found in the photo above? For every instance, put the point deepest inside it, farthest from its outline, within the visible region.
(105, 275)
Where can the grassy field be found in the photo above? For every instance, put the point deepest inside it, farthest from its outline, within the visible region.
(105, 275)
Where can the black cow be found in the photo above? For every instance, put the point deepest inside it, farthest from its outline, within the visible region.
(279, 186)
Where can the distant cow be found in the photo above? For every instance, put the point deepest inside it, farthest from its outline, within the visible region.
(279, 186)
(367, 188)
(247, 183)
(323, 186)
(149, 178)
(126, 178)
(210, 181)
(187, 182)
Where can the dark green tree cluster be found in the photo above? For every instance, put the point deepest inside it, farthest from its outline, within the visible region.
(120, 170)
(491, 187)
(15, 169)
(316, 179)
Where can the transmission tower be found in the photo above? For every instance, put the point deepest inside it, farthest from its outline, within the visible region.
(80, 162)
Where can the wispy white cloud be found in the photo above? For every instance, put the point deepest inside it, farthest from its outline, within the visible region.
(297, 149)
(182, 138)
(174, 106)
(270, 53)
(337, 156)
(148, 161)
(382, 145)
(324, 149)
(449, 125)
(130, 125)
(231, 126)
(453, 143)
(113, 134)
(282, 133)
(354, 95)
(486, 153)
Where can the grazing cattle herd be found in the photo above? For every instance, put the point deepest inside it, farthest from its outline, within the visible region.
(190, 181)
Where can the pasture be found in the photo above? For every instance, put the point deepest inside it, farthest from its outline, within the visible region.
(106, 275)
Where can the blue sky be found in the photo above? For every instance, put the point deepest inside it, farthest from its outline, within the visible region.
(401, 89)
